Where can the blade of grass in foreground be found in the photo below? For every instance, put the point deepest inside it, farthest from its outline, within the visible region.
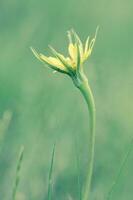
(50, 174)
(120, 170)
(17, 177)
(78, 170)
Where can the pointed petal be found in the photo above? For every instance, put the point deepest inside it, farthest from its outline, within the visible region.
(50, 61)
(78, 41)
(62, 59)
(45, 59)
(69, 36)
(53, 62)
(77, 38)
(86, 44)
(56, 62)
(93, 40)
(37, 55)
(78, 62)
(72, 51)
(91, 45)
(69, 61)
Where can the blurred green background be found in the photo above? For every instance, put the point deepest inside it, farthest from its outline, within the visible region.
(38, 107)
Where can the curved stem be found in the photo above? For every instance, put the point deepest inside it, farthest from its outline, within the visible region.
(86, 92)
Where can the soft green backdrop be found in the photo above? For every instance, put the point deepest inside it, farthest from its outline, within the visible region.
(40, 107)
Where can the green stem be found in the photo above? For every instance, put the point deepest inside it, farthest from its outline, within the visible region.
(86, 92)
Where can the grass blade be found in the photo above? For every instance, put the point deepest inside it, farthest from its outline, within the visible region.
(120, 170)
(78, 170)
(50, 174)
(17, 177)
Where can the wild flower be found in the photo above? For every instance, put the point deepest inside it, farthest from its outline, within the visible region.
(78, 54)
(73, 66)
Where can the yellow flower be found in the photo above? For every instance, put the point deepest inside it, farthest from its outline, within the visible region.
(78, 54)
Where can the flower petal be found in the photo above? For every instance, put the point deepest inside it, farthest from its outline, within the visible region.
(78, 42)
(88, 53)
(79, 58)
(69, 36)
(62, 59)
(91, 45)
(56, 62)
(86, 44)
(35, 53)
(72, 51)
(53, 62)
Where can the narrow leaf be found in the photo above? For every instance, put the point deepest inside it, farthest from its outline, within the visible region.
(17, 177)
(50, 174)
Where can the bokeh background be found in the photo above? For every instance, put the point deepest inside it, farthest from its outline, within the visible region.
(38, 107)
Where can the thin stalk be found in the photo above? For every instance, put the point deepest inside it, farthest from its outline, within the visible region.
(78, 171)
(17, 178)
(86, 92)
(120, 171)
(50, 174)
